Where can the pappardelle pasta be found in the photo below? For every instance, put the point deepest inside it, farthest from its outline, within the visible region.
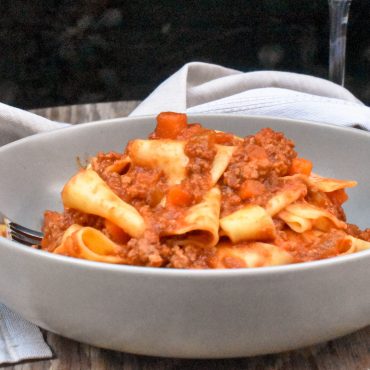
(191, 197)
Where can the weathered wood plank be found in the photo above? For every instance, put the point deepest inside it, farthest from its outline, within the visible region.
(88, 112)
(347, 353)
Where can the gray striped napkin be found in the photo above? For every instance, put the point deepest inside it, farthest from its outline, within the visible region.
(19, 339)
(208, 88)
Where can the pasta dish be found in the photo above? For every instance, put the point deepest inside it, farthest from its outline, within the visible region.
(192, 197)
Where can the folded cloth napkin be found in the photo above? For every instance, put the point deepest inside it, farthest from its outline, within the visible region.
(206, 88)
(19, 339)
(195, 88)
(16, 123)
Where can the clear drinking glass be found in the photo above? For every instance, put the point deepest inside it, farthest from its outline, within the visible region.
(338, 14)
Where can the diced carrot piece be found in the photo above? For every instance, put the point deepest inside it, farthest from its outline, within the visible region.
(232, 262)
(257, 152)
(300, 166)
(170, 124)
(251, 188)
(155, 196)
(338, 196)
(178, 196)
(116, 233)
(343, 245)
(224, 138)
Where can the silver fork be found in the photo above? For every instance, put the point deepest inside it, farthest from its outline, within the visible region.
(19, 233)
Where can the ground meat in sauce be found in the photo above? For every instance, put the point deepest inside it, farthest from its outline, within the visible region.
(191, 257)
(201, 151)
(136, 185)
(321, 200)
(266, 154)
(356, 232)
(311, 247)
(148, 251)
(141, 186)
(55, 224)
(104, 160)
(262, 159)
(232, 201)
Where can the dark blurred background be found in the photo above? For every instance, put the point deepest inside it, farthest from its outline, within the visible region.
(70, 52)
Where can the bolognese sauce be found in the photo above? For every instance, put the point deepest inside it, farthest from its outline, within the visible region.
(261, 168)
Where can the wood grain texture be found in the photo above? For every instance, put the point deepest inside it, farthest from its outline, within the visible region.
(351, 352)
(88, 112)
(347, 353)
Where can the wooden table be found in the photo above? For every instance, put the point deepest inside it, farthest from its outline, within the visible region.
(347, 353)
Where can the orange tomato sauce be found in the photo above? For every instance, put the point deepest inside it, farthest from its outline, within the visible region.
(253, 175)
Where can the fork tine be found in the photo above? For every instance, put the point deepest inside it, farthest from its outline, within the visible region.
(19, 229)
(22, 234)
(24, 241)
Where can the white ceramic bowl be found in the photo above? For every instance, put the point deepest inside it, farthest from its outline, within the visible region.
(181, 313)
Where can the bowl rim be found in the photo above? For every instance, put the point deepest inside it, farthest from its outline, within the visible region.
(190, 273)
(142, 119)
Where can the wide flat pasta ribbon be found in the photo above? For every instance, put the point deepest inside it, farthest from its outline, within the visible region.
(251, 255)
(284, 197)
(327, 185)
(200, 224)
(88, 193)
(356, 245)
(169, 156)
(89, 243)
(252, 222)
(296, 223)
(2, 230)
(301, 217)
(166, 155)
(221, 161)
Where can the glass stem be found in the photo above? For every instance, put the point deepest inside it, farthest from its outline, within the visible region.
(338, 13)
